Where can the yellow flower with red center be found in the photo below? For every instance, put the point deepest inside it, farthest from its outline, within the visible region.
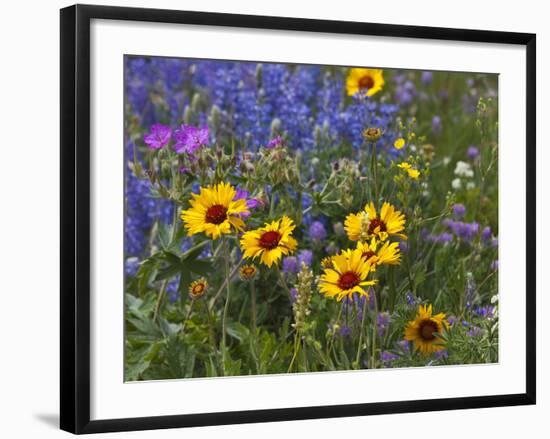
(214, 211)
(367, 224)
(198, 288)
(326, 262)
(367, 81)
(347, 275)
(248, 272)
(377, 254)
(271, 242)
(426, 330)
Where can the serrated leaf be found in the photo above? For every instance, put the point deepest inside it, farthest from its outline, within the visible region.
(185, 280)
(199, 267)
(168, 328)
(133, 372)
(238, 331)
(145, 326)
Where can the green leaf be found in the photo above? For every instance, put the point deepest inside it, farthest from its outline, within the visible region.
(238, 331)
(185, 280)
(145, 326)
(211, 369)
(133, 372)
(168, 328)
(199, 267)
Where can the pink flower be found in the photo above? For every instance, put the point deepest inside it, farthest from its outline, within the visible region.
(189, 138)
(158, 137)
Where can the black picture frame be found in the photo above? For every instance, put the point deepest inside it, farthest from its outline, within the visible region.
(75, 217)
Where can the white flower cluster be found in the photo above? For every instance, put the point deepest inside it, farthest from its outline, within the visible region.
(463, 170)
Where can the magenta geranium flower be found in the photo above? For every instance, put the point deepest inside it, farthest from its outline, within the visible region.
(275, 142)
(158, 137)
(251, 203)
(189, 138)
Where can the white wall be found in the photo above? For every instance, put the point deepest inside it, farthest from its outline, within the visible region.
(29, 249)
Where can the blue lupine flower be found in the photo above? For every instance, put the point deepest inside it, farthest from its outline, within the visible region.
(405, 93)
(131, 266)
(441, 238)
(426, 78)
(459, 210)
(317, 231)
(411, 300)
(252, 96)
(305, 257)
(388, 357)
(473, 152)
(345, 331)
(486, 234)
(382, 322)
(464, 231)
(404, 345)
(142, 210)
(357, 302)
(290, 264)
(486, 312)
(475, 331)
(437, 125)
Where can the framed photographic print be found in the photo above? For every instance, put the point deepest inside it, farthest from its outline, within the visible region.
(269, 218)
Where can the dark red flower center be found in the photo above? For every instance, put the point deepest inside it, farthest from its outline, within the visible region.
(199, 288)
(372, 132)
(216, 214)
(366, 82)
(374, 223)
(427, 329)
(348, 280)
(270, 240)
(368, 254)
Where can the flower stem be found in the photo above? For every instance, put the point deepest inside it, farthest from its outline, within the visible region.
(283, 282)
(253, 306)
(187, 316)
(253, 323)
(330, 343)
(374, 171)
(374, 329)
(161, 295)
(212, 336)
(226, 307)
(296, 349)
(222, 286)
(361, 331)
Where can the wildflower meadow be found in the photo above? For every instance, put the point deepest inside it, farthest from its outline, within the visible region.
(284, 218)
